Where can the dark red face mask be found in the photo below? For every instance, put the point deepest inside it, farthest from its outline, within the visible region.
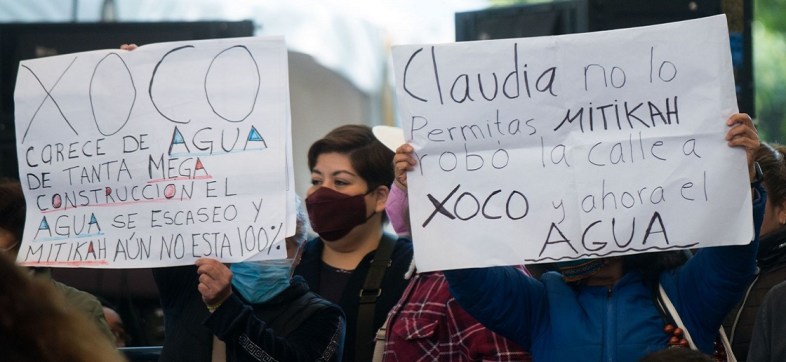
(334, 214)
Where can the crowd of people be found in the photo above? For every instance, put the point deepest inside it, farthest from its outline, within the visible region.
(353, 291)
(334, 293)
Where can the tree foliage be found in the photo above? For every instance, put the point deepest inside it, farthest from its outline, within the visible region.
(769, 68)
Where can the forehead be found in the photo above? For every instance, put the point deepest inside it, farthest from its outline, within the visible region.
(333, 162)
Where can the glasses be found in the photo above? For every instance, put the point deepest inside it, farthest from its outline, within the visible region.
(10, 248)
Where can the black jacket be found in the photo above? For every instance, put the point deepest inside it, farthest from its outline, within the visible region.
(263, 332)
(185, 338)
(771, 261)
(393, 285)
(249, 332)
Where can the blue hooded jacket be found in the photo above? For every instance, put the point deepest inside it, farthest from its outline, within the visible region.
(559, 322)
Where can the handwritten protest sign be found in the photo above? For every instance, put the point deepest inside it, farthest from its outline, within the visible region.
(577, 146)
(156, 157)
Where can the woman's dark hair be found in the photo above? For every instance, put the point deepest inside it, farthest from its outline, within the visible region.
(771, 159)
(37, 325)
(369, 157)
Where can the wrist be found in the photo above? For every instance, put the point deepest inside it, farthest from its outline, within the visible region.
(212, 306)
(400, 185)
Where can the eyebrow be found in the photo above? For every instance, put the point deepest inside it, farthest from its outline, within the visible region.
(344, 172)
(334, 174)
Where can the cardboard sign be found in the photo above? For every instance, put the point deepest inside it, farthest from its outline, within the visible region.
(157, 156)
(577, 146)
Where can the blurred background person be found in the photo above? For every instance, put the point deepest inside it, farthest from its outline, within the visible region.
(771, 259)
(12, 224)
(37, 325)
(116, 325)
(767, 342)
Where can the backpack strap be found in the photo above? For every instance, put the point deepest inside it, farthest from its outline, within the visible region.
(666, 308)
(379, 342)
(372, 289)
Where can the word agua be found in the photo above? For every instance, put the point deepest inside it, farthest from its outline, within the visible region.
(653, 237)
(207, 140)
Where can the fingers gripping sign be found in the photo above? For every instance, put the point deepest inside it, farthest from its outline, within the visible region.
(743, 134)
(404, 161)
(215, 281)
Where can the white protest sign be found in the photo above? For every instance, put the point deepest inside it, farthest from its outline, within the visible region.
(577, 146)
(157, 156)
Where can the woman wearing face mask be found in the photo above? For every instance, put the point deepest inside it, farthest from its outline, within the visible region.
(250, 311)
(604, 309)
(353, 263)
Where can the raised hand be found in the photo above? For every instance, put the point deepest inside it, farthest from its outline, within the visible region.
(214, 281)
(743, 134)
(403, 162)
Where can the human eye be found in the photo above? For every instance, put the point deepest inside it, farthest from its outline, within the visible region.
(315, 181)
(341, 183)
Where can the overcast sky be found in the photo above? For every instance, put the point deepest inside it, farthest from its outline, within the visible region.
(406, 20)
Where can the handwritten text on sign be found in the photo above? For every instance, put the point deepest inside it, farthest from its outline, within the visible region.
(155, 157)
(586, 145)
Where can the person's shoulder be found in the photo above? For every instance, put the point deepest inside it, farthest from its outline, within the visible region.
(78, 298)
(775, 300)
(72, 293)
(402, 254)
(403, 246)
(778, 291)
(316, 303)
(322, 303)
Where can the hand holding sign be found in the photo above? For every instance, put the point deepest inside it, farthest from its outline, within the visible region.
(743, 134)
(215, 281)
(403, 162)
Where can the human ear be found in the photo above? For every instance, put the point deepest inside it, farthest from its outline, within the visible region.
(381, 196)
